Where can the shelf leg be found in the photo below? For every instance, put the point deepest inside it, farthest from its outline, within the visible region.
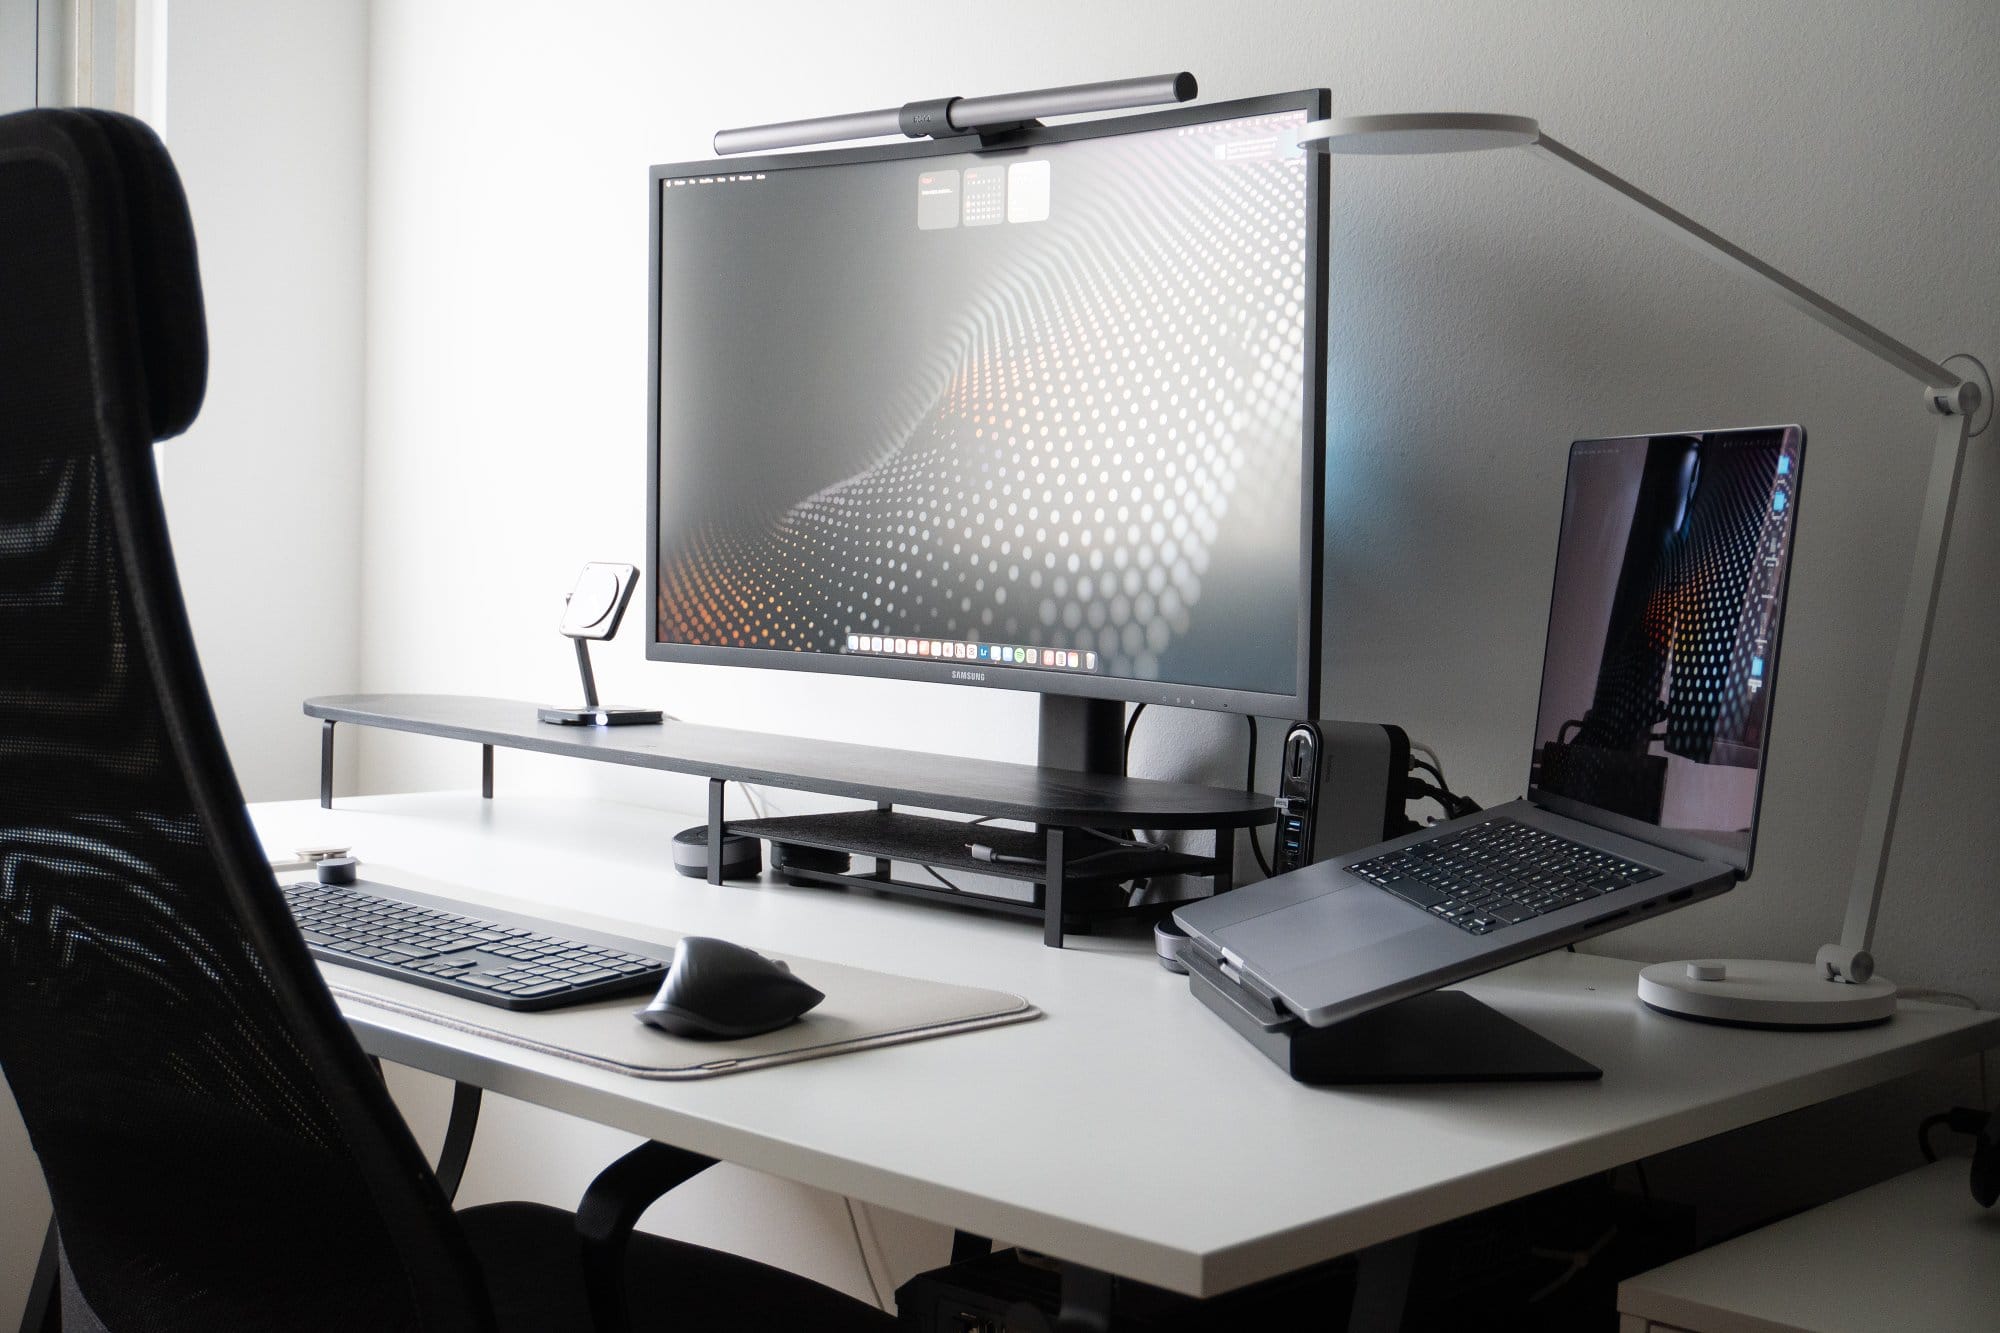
(716, 787)
(326, 764)
(1225, 860)
(882, 863)
(486, 768)
(1053, 856)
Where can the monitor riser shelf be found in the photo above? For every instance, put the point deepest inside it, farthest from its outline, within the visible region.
(1059, 805)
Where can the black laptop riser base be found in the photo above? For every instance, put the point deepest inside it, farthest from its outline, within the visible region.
(1440, 1037)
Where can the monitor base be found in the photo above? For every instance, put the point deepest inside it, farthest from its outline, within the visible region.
(1760, 993)
(600, 716)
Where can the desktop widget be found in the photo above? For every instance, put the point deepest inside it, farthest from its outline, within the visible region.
(951, 650)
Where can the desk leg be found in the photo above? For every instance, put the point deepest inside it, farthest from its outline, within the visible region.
(326, 764)
(458, 1134)
(1053, 856)
(1086, 1301)
(716, 788)
(486, 768)
(1382, 1286)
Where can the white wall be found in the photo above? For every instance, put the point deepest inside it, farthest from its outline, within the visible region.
(266, 116)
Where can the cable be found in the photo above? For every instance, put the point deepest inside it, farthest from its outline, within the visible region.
(750, 796)
(1930, 1122)
(1418, 747)
(932, 872)
(1250, 784)
(1453, 805)
(874, 1286)
(1959, 1120)
(1131, 721)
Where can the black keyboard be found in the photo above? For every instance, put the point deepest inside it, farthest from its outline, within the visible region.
(1499, 873)
(496, 958)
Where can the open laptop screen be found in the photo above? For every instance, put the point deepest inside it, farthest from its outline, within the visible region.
(1663, 635)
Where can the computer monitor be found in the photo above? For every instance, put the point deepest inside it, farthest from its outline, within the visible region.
(1043, 413)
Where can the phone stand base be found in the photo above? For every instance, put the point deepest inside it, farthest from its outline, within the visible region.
(600, 716)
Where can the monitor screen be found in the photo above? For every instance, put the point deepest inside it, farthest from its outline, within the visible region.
(1044, 416)
(1663, 631)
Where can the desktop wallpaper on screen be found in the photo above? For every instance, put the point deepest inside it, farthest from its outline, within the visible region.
(1664, 627)
(1039, 407)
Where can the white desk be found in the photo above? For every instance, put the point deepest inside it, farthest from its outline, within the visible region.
(1050, 1134)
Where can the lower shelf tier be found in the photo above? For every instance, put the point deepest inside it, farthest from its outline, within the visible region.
(891, 835)
(1075, 874)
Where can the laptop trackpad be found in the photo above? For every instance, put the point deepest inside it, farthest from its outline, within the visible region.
(1355, 916)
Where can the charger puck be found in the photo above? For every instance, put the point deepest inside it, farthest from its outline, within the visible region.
(742, 855)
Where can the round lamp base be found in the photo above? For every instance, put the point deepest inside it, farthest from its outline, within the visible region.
(1759, 993)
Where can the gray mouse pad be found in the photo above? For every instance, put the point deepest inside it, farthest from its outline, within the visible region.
(862, 1009)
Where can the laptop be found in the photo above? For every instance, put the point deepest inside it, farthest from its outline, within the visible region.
(1648, 761)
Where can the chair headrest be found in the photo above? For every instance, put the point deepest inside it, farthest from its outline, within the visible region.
(131, 205)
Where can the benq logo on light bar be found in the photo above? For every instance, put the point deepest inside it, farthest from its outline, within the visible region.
(967, 675)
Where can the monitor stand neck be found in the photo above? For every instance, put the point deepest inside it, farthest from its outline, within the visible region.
(1083, 735)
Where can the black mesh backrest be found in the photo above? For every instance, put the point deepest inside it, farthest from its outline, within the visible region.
(219, 1152)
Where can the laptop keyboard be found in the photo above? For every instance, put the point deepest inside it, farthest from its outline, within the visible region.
(1499, 873)
(494, 961)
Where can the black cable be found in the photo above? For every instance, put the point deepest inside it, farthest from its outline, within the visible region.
(1453, 805)
(932, 872)
(1431, 769)
(1250, 784)
(1930, 1122)
(1131, 721)
(1959, 1120)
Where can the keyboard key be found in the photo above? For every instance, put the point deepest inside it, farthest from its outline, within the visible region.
(1499, 873)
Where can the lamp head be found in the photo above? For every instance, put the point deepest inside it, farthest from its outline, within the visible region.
(1419, 132)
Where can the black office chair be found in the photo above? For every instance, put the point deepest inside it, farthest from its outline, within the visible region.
(220, 1152)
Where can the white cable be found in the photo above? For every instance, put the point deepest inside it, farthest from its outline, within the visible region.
(868, 1258)
(1418, 747)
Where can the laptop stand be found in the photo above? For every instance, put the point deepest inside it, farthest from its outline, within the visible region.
(1440, 1037)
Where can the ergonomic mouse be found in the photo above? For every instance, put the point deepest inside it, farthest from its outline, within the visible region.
(716, 989)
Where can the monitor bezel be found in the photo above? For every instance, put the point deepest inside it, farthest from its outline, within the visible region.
(1301, 702)
(1677, 840)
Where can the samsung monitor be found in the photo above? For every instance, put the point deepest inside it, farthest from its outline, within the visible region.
(1043, 413)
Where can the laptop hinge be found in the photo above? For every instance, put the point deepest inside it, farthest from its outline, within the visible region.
(1231, 965)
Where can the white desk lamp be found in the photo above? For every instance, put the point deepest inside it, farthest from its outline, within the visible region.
(1840, 988)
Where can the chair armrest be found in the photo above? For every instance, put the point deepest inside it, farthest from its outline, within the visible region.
(611, 1207)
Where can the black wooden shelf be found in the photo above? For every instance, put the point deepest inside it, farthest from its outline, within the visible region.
(893, 835)
(1059, 802)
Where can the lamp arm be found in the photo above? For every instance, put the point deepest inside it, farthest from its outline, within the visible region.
(1956, 400)
(1906, 675)
(1934, 377)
